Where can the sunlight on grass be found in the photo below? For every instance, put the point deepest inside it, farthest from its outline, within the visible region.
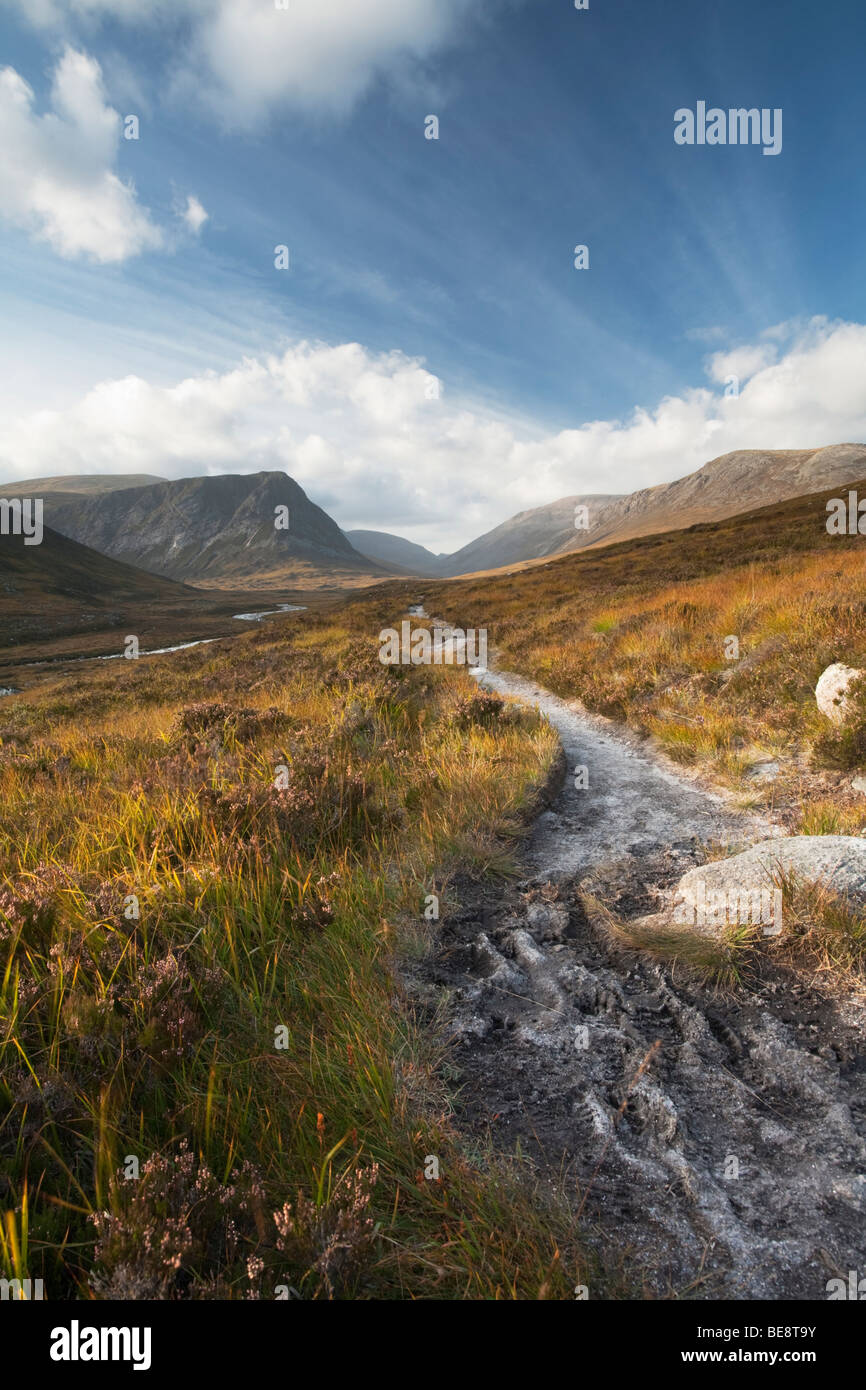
(198, 977)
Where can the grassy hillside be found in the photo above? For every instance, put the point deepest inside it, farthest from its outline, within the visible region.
(60, 569)
(197, 974)
(61, 600)
(70, 485)
(638, 630)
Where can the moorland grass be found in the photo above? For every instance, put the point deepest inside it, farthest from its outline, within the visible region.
(641, 632)
(212, 1082)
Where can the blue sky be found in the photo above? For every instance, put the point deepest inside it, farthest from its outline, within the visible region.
(449, 259)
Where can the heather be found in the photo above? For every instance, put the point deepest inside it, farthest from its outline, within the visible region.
(213, 1080)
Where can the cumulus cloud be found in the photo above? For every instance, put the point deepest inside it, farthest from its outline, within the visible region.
(376, 440)
(250, 57)
(315, 54)
(742, 362)
(56, 170)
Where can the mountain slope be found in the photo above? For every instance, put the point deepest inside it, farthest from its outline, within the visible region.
(730, 484)
(78, 484)
(526, 536)
(392, 550)
(209, 529)
(62, 587)
(726, 486)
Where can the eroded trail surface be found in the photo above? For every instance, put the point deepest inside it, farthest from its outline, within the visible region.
(737, 1167)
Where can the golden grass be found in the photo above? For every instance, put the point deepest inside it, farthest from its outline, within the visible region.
(245, 1038)
(642, 632)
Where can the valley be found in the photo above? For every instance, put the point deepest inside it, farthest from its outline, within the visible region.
(432, 675)
(486, 842)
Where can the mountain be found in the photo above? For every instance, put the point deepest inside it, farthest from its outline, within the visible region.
(726, 486)
(219, 531)
(745, 479)
(527, 536)
(403, 555)
(211, 530)
(81, 484)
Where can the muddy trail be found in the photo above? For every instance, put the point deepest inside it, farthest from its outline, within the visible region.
(736, 1167)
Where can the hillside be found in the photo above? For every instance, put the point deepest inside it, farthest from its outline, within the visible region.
(214, 530)
(530, 534)
(61, 600)
(77, 484)
(726, 486)
(64, 574)
(636, 631)
(386, 549)
(723, 487)
(62, 586)
(763, 536)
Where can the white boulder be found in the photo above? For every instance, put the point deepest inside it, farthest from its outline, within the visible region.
(832, 689)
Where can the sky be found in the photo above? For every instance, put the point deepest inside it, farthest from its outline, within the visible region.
(431, 360)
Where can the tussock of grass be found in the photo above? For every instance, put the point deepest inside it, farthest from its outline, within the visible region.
(822, 934)
(720, 963)
(822, 930)
(261, 905)
(822, 817)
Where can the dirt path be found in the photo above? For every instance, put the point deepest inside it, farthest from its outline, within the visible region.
(737, 1167)
(633, 807)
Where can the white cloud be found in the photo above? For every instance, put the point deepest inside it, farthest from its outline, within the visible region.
(194, 215)
(363, 436)
(249, 58)
(314, 54)
(56, 170)
(741, 363)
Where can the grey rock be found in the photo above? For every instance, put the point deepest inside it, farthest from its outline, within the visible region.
(766, 771)
(836, 861)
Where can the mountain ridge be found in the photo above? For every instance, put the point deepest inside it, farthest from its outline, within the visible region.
(220, 529)
(208, 529)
